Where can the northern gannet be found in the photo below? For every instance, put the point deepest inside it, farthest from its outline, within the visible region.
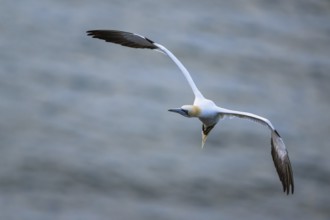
(204, 109)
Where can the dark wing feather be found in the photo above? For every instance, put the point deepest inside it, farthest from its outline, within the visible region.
(123, 38)
(279, 151)
(282, 162)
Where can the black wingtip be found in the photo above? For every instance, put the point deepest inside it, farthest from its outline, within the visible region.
(91, 32)
(123, 38)
(282, 165)
(97, 33)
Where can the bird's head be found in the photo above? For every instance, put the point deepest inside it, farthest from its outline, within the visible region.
(187, 111)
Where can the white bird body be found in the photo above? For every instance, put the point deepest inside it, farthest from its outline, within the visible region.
(209, 113)
(204, 109)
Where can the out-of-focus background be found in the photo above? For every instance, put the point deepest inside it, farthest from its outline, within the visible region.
(84, 127)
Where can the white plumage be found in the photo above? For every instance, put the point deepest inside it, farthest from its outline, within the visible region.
(204, 109)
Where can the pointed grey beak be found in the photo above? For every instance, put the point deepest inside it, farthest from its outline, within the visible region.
(180, 111)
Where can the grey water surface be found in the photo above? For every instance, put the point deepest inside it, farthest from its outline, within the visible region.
(84, 127)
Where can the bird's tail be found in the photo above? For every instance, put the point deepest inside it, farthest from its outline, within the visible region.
(205, 131)
(204, 137)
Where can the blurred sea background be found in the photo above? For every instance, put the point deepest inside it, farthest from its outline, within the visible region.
(84, 127)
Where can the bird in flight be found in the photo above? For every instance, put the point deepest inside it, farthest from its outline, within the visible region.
(204, 109)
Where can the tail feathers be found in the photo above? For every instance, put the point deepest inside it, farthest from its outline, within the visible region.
(205, 131)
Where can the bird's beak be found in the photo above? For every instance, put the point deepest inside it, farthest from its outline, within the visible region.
(179, 111)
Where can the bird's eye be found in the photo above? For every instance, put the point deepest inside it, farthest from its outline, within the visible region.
(185, 111)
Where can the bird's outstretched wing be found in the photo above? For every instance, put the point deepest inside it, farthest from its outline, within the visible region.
(279, 152)
(123, 38)
(137, 41)
(282, 162)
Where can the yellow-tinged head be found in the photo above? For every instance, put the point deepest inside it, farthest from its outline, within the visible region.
(187, 111)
